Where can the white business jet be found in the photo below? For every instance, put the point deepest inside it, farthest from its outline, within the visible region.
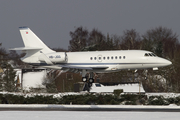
(38, 54)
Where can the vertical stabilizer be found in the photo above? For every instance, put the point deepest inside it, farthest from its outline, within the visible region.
(32, 41)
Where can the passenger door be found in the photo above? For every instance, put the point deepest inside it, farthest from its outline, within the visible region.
(99, 58)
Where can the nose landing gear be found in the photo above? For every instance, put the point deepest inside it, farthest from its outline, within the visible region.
(145, 72)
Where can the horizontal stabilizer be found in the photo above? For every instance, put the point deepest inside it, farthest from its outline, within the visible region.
(25, 48)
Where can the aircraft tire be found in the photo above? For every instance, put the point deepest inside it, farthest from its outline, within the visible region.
(91, 80)
(84, 79)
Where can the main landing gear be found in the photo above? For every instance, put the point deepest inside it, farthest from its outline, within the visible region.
(88, 79)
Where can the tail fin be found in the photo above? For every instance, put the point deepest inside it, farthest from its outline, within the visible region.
(34, 47)
(31, 41)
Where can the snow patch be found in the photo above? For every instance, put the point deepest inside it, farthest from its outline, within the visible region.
(132, 88)
(33, 80)
(165, 95)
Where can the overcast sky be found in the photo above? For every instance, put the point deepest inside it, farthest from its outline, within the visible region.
(52, 20)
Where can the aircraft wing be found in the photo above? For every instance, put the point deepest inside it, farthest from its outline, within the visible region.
(84, 68)
(100, 67)
(69, 68)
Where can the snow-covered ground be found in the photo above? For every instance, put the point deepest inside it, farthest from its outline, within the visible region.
(132, 88)
(165, 95)
(86, 115)
(33, 80)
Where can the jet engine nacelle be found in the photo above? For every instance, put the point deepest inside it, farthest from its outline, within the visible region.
(59, 57)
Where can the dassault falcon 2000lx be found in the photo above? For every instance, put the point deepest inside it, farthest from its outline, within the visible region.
(37, 53)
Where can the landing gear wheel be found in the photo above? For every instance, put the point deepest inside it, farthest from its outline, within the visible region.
(84, 79)
(91, 80)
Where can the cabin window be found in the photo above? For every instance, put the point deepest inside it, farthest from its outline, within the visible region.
(124, 57)
(116, 57)
(91, 58)
(99, 58)
(104, 58)
(112, 57)
(108, 58)
(94, 58)
(119, 57)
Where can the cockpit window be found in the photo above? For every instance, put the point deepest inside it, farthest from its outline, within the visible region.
(153, 54)
(146, 54)
(150, 55)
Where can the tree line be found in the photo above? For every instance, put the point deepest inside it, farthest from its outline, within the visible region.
(160, 40)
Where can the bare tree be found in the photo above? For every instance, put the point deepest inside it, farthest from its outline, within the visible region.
(131, 40)
(117, 42)
(96, 41)
(50, 80)
(9, 79)
(161, 40)
(78, 39)
(59, 50)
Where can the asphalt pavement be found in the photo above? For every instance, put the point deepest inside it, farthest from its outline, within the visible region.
(43, 107)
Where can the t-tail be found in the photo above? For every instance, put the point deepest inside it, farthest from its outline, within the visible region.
(34, 48)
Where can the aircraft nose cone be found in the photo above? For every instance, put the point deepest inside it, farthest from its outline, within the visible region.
(167, 62)
(163, 62)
